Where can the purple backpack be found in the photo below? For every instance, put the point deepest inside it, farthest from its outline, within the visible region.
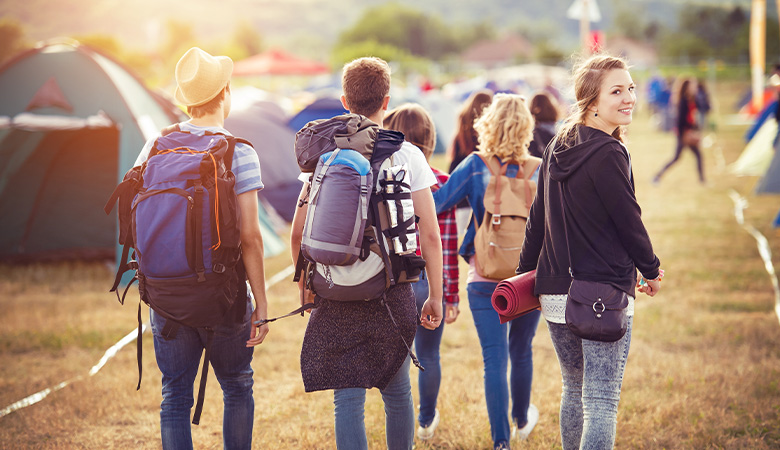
(179, 212)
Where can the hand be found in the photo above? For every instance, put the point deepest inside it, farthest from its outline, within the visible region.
(651, 288)
(451, 313)
(305, 295)
(257, 336)
(431, 314)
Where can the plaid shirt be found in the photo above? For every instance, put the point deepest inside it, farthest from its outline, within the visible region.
(449, 245)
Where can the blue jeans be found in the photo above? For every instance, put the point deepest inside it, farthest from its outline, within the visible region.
(592, 378)
(501, 344)
(179, 360)
(399, 414)
(426, 344)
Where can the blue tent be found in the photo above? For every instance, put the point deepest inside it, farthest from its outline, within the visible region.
(322, 108)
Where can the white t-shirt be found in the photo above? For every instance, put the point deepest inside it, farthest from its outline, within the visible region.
(420, 174)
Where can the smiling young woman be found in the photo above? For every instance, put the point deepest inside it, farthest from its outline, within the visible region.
(587, 223)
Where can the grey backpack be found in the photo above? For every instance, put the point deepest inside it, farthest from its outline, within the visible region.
(359, 235)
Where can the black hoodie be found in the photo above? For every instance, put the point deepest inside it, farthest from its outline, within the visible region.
(607, 237)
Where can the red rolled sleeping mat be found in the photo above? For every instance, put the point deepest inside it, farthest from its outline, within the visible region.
(515, 297)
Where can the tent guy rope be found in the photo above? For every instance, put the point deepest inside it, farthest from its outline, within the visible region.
(110, 353)
(740, 203)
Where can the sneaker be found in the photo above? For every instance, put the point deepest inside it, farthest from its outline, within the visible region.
(533, 418)
(426, 433)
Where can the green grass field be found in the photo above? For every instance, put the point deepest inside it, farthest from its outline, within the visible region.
(703, 369)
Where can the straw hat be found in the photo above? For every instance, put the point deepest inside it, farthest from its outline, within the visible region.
(200, 76)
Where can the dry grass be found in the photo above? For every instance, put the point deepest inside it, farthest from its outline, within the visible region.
(703, 371)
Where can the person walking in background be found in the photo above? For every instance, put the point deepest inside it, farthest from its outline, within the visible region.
(417, 126)
(688, 126)
(203, 86)
(351, 346)
(589, 170)
(465, 142)
(505, 129)
(703, 103)
(545, 111)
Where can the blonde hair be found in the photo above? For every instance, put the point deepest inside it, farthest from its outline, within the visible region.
(366, 83)
(416, 124)
(506, 128)
(588, 77)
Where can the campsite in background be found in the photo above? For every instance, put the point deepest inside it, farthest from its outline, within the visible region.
(83, 86)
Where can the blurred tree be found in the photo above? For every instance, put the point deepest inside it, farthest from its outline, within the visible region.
(12, 38)
(469, 34)
(548, 54)
(247, 40)
(179, 37)
(705, 32)
(402, 62)
(140, 64)
(104, 43)
(628, 23)
(411, 30)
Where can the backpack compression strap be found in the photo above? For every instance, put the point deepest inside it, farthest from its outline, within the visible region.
(203, 377)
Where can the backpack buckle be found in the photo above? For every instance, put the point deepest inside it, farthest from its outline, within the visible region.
(496, 220)
(219, 268)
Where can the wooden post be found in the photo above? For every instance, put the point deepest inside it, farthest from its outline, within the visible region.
(585, 27)
(758, 51)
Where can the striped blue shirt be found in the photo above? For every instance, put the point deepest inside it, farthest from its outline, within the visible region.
(246, 165)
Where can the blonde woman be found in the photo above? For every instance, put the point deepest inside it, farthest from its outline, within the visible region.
(588, 172)
(505, 130)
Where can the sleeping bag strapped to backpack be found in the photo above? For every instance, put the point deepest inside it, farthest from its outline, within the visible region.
(179, 211)
(359, 236)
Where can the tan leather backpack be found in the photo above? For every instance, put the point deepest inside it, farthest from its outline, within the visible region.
(507, 201)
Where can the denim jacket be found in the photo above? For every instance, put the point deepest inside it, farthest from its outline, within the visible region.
(469, 180)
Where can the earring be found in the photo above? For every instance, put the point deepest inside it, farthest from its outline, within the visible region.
(596, 114)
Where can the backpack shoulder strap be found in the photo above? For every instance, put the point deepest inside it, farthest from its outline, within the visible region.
(489, 163)
(170, 129)
(530, 167)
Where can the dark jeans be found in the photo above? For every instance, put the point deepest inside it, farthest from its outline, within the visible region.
(677, 152)
(179, 360)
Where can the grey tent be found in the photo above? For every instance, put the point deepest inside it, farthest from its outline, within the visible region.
(264, 123)
(770, 182)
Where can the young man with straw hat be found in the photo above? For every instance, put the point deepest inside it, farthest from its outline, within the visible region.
(203, 87)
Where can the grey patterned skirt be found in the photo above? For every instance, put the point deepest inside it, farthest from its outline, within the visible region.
(356, 344)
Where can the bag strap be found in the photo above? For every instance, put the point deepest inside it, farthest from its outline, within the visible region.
(300, 311)
(198, 242)
(203, 377)
(495, 219)
(565, 228)
(398, 329)
(563, 207)
(140, 348)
